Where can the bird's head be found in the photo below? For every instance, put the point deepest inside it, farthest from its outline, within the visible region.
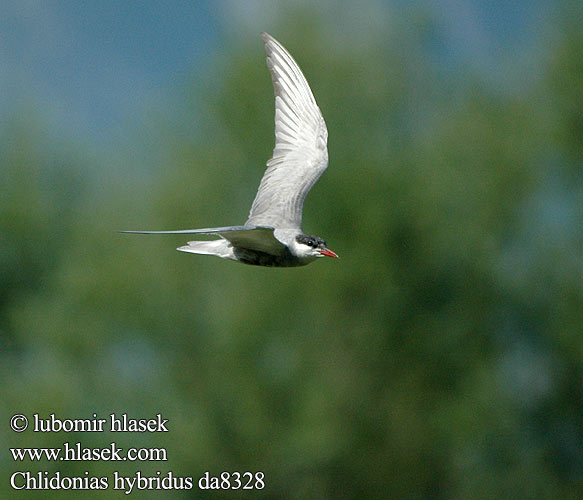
(308, 246)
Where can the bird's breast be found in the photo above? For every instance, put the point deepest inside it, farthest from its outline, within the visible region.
(256, 258)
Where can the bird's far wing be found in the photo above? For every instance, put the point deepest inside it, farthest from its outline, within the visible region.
(300, 155)
(260, 238)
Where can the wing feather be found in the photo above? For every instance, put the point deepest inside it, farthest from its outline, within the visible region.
(260, 238)
(300, 155)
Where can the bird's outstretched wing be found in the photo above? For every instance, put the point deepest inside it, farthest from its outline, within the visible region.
(300, 155)
(259, 238)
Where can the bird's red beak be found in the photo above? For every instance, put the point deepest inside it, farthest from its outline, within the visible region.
(328, 253)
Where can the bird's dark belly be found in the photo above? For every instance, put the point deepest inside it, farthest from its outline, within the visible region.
(255, 258)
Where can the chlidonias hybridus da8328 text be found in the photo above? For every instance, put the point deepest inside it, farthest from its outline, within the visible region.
(272, 235)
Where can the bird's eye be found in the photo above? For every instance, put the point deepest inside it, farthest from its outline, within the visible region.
(310, 244)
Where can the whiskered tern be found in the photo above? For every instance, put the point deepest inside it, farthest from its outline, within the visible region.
(272, 235)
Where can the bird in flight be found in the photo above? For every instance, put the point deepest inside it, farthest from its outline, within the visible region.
(272, 235)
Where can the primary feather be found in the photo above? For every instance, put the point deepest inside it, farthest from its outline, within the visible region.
(259, 238)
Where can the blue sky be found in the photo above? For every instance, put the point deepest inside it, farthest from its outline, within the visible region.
(89, 68)
(86, 65)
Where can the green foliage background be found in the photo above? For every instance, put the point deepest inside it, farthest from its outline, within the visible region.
(440, 357)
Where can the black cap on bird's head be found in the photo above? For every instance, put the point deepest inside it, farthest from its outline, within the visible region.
(317, 243)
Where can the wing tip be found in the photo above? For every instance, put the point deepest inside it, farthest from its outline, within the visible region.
(269, 42)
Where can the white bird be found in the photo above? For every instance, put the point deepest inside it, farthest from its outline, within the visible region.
(272, 235)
